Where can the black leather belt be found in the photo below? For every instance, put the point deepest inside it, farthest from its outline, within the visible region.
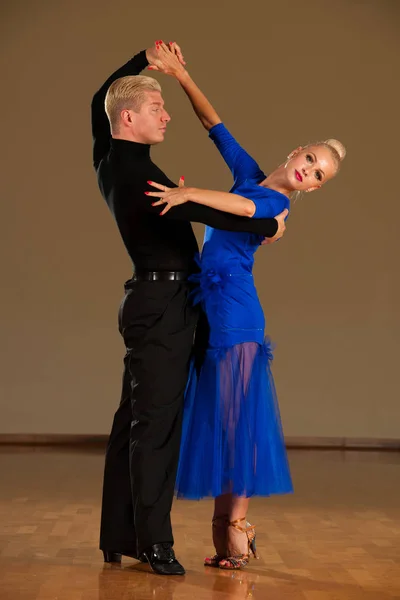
(141, 275)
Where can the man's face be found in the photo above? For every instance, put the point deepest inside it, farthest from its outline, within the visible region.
(150, 123)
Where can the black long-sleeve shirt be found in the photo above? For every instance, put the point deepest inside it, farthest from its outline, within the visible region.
(123, 169)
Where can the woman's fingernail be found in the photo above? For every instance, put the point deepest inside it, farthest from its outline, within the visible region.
(150, 182)
(147, 193)
(153, 203)
(182, 177)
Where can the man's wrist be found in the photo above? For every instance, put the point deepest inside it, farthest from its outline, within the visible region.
(150, 55)
(277, 228)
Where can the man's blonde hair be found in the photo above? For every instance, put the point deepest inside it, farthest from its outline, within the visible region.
(127, 92)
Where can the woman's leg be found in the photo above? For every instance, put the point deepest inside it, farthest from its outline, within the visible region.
(229, 541)
(222, 505)
(237, 542)
(239, 507)
(235, 374)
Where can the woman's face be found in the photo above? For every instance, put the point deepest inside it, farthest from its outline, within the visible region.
(307, 169)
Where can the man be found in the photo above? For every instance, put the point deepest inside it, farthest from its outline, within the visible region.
(156, 318)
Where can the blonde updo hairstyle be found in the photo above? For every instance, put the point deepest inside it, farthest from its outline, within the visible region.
(337, 149)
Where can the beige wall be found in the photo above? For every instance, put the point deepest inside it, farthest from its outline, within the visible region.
(280, 73)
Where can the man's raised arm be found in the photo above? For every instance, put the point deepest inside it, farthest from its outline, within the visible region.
(100, 125)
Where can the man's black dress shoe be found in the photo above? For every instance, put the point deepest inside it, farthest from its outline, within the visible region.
(161, 559)
(116, 557)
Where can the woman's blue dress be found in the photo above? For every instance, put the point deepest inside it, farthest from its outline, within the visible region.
(232, 439)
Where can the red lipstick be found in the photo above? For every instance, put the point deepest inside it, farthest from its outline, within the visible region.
(298, 176)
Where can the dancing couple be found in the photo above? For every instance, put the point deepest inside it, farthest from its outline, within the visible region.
(210, 408)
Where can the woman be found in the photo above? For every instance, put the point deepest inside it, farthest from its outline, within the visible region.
(232, 443)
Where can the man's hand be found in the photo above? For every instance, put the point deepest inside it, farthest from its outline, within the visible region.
(281, 228)
(167, 59)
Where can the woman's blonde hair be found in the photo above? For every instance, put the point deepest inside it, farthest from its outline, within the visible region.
(127, 92)
(337, 149)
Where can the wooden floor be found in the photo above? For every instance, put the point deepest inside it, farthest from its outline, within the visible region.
(336, 538)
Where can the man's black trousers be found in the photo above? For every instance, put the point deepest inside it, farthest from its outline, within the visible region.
(157, 322)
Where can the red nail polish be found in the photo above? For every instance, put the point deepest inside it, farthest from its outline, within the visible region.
(147, 193)
(150, 182)
(183, 178)
(153, 203)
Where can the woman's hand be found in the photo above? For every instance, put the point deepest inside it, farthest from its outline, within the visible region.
(169, 196)
(175, 49)
(167, 59)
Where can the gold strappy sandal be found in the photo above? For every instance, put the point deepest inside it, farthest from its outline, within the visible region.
(239, 561)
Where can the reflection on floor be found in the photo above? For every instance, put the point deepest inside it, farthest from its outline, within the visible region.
(336, 538)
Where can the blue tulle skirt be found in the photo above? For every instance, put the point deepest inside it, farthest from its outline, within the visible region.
(232, 439)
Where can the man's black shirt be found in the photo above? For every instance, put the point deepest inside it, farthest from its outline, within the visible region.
(123, 169)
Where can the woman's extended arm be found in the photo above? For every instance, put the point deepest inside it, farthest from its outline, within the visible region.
(224, 201)
(241, 164)
(201, 105)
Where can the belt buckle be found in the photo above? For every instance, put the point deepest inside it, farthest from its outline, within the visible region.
(159, 276)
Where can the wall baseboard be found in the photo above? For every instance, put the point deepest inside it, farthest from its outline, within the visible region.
(298, 442)
(52, 439)
(341, 443)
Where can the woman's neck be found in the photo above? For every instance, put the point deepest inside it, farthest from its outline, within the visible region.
(277, 181)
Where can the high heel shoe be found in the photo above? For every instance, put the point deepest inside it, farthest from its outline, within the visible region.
(239, 561)
(213, 561)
